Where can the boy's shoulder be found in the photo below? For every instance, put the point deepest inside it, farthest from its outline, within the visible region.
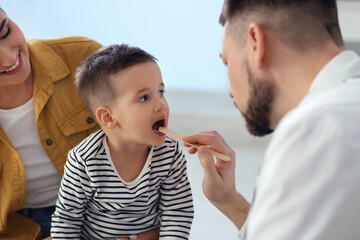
(170, 146)
(90, 144)
(169, 143)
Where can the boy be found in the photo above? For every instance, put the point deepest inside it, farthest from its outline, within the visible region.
(126, 178)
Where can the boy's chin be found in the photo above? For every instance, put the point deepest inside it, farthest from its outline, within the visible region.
(159, 142)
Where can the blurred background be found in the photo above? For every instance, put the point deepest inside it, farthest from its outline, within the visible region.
(186, 38)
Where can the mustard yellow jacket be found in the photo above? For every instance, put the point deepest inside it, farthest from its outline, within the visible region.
(62, 121)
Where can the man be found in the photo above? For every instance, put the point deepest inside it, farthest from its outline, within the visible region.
(288, 72)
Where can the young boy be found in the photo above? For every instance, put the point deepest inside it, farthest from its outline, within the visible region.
(126, 178)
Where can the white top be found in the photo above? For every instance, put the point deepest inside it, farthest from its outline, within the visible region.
(309, 186)
(42, 179)
(96, 203)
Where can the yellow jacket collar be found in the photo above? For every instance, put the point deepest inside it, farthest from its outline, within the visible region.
(53, 68)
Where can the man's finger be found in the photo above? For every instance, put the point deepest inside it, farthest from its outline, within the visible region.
(192, 150)
(211, 138)
(207, 162)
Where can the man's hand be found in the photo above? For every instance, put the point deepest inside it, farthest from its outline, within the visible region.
(219, 176)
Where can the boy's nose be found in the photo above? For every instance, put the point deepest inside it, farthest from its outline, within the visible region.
(8, 57)
(160, 104)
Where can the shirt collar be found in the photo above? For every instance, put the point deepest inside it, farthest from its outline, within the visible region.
(343, 66)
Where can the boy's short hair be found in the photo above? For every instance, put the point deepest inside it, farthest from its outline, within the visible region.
(298, 23)
(93, 75)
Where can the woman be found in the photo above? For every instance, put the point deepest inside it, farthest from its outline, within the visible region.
(41, 119)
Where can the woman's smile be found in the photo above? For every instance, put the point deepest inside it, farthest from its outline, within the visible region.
(15, 68)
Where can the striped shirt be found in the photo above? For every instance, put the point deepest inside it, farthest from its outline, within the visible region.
(95, 203)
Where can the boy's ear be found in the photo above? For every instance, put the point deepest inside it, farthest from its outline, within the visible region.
(105, 117)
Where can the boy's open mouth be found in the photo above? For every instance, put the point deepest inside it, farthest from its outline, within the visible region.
(159, 123)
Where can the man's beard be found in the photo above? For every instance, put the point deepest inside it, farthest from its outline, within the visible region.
(259, 106)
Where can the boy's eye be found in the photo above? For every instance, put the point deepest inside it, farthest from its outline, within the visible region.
(161, 93)
(144, 98)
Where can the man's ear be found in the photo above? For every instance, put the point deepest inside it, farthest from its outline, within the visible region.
(105, 118)
(256, 36)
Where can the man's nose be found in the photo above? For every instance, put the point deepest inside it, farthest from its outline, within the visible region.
(230, 93)
(8, 57)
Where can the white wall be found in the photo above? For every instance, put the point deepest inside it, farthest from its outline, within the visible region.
(349, 17)
(184, 35)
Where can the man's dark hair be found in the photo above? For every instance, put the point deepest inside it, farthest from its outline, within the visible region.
(93, 75)
(298, 23)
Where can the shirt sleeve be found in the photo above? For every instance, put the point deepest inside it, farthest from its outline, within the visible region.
(308, 187)
(241, 235)
(73, 196)
(176, 204)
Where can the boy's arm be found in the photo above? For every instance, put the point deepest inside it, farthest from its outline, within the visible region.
(70, 206)
(176, 201)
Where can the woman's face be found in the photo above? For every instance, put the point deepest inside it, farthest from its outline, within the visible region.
(15, 66)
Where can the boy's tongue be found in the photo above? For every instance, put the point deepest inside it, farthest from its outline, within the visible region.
(155, 127)
(158, 124)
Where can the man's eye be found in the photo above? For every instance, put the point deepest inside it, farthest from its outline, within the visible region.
(6, 34)
(144, 98)
(161, 93)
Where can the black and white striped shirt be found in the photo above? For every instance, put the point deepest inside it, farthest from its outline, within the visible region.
(95, 203)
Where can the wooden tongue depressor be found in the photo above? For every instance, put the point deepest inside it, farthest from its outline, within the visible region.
(196, 145)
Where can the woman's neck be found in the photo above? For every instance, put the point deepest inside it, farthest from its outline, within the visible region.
(13, 96)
